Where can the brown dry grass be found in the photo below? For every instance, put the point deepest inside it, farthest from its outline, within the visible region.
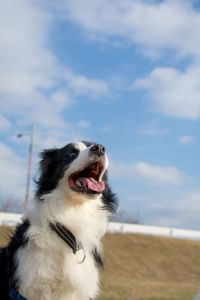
(141, 267)
(144, 267)
(5, 233)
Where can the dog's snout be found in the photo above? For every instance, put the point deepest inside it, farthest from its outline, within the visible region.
(98, 149)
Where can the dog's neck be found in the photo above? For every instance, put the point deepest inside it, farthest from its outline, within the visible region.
(87, 221)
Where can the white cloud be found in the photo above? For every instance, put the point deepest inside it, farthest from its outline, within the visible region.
(28, 68)
(159, 174)
(153, 129)
(186, 139)
(26, 60)
(190, 203)
(156, 26)
(5, 124)
(153, 25)
(34, 86)
(172, 92)
(83, 124)
(12, 173)
(81, 84)
(152, 174)
(180, 211)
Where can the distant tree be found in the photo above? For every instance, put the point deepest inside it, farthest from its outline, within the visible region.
(10, 204)
(123, 216)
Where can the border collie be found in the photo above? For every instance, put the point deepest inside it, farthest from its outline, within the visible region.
(56, 251)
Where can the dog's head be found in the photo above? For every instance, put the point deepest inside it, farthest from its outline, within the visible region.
(79, 169)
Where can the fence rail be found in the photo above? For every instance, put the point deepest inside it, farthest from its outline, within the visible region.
(12, 219)
(154, 230)
(9, 218)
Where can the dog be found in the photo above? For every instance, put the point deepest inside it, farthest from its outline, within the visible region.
(56, 252)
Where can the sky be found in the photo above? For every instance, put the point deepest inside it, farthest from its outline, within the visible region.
(125, 74)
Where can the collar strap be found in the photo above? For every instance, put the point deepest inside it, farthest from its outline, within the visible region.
(66, 235)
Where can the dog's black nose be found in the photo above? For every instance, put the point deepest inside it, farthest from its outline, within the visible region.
(98, 149)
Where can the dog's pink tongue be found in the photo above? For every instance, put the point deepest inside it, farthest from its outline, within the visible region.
(92, 184)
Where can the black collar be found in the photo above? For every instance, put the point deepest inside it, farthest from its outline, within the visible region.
(66, 235)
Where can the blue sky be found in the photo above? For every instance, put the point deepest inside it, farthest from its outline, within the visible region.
(123, 73)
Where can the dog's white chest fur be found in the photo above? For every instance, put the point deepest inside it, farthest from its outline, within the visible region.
(48, 268)
(56, 276)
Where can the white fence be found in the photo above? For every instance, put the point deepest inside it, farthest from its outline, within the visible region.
(9, 218)
(154, 230)
(12, 219)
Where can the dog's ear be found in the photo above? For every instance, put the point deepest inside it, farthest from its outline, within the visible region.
(48, 157)
(47, 171)
(48, 164)
(109, 198)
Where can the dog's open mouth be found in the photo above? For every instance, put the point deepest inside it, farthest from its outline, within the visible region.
(88, 179)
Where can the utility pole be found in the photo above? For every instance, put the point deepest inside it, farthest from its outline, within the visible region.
(29, 169)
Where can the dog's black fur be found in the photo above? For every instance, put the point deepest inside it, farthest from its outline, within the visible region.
(8, 279)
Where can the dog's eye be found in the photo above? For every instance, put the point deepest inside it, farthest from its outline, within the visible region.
(73, 154)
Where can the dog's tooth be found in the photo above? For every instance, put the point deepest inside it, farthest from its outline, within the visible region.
(79, 183)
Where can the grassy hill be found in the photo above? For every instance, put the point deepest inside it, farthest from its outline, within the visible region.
(146, 267)
(139, 267)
